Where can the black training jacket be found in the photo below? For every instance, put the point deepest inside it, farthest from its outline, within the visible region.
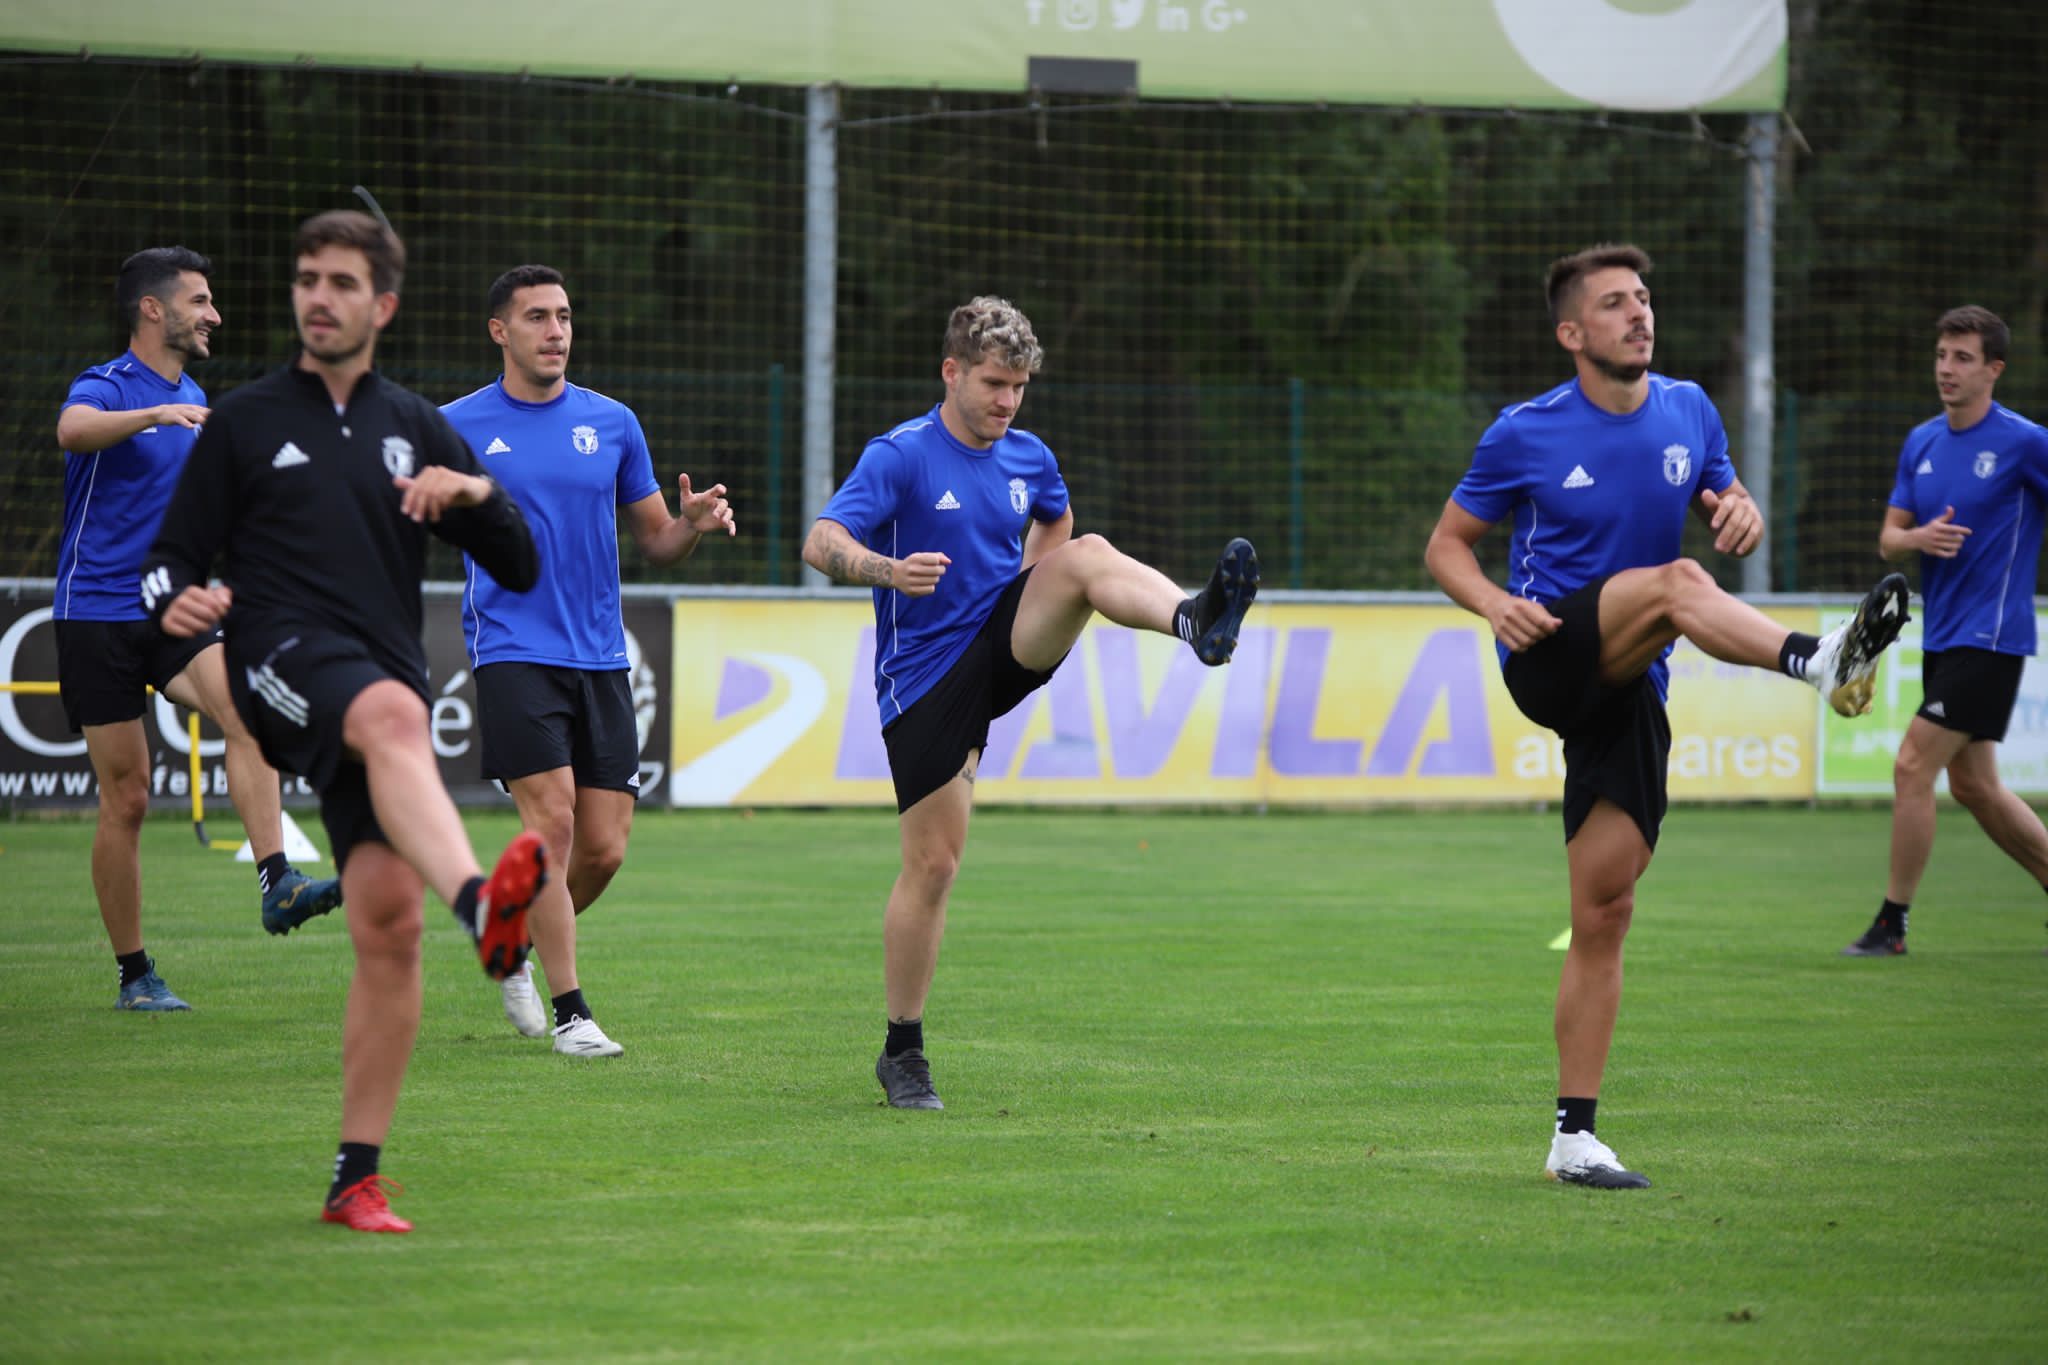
(301, 500)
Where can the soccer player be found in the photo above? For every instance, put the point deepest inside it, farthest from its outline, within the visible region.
(126, 428)
(554, 707)
(962, 527)
(320, 482)
(1968, 499)
(1598, 474)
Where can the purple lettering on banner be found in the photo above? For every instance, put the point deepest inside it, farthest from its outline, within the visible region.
(1070, 752)
(861, 754)
(1241, 730)
(1448, 662)
(741, 685)
(1141, 740)
(1296, 750)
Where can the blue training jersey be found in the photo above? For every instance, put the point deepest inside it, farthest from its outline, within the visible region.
(1593, 493)
(570, 464)
(114, 498)
(917, 489)
(1995, 474)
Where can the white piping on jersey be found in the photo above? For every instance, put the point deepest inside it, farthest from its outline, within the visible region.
(2011, 556)
(84, 512)
(915, 424)
(1546, 402)
(1529, 552)
(895, 630)
(469, 605)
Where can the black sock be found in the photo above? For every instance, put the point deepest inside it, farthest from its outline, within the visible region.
(465, 905)
(134, 966)
(904, 1034)
(1795, 653)
(569, 1005)
(355, 1161)
(1893, 917)
(1575, 1115)
(271, 871)
(1184, 623)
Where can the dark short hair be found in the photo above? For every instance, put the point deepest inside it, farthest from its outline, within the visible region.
(1993, 336)
(517, 278)
(1561, 282)
(146, 274)
(346, 227)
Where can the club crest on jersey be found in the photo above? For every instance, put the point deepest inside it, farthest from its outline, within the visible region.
(398, 457)
(1020, 497)
(1677, 464)
(585, 439)
(1987, 463)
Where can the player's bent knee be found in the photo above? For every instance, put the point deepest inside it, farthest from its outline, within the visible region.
(1972, 793)
(932, 868)
(383, 715)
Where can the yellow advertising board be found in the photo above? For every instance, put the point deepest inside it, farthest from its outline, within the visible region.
(1324, 704)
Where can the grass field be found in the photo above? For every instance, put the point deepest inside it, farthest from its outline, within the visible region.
(1217, 1087)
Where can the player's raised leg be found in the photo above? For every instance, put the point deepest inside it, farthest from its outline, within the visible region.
(1088, 575)
(386, 726)
(290, 897)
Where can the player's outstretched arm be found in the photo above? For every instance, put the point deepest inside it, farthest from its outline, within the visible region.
(478, 517)
(833, 552)
(1043, 537)
(666, 540)
(83, 428)
(189, 539)
(1517, 622)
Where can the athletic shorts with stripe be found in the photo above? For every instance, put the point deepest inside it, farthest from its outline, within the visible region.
(1971, 691)
(293, 693)
(1617, 739)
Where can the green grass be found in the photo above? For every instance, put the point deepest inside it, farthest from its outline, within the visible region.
(1217, 1087)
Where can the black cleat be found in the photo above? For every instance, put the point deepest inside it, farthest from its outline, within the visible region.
(1879, 940)
(1844, 668)
(1220, 607)
(907, 1077)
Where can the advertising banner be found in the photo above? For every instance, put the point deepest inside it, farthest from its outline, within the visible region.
(43, 765)
(1324, 704)
(1725, 55)
(1856, 755)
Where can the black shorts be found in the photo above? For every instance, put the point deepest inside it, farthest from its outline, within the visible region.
(1617, 739)
(928, 744)
(1971, 690)
(103, 667)
(293, 694)
(534, 718)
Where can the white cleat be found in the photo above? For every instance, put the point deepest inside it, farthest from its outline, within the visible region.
(1582, 1159)
(1844, 668)
(522, 1003)
(582, 1037)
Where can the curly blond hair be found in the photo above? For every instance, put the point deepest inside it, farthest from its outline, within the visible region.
(990, 328)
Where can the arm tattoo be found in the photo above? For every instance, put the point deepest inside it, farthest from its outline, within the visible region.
(842, 568)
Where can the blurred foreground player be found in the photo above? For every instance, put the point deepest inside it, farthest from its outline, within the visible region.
(319, 482)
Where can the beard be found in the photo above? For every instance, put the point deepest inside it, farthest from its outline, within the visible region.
(1621, 371)
(340, 348)
(185, 338)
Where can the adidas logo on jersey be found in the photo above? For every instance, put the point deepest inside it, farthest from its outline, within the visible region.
(1578, 478)
(1935, 708)
(947, 503)
(288, 455)
(1926, 467)
(497, 447)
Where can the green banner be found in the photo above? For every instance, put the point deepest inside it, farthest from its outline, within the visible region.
(1722, 55)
